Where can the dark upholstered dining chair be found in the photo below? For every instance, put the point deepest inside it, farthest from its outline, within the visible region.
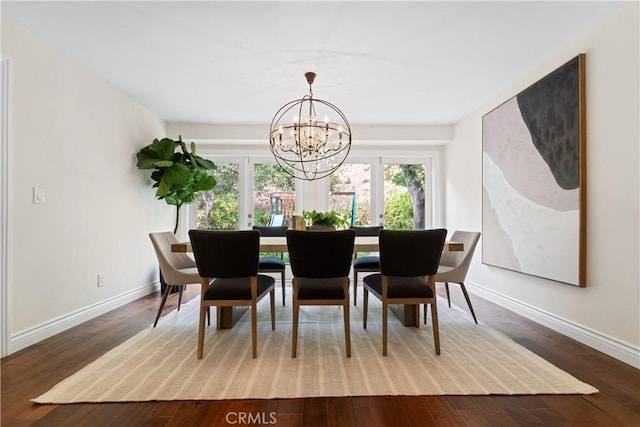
(177, 269)
(270, 264)
(408, 262)
(320, 262)
(227, 262)
(364, 264)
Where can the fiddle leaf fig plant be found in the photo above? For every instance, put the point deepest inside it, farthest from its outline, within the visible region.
(178, 175)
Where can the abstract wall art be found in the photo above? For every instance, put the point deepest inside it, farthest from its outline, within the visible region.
(534, 179)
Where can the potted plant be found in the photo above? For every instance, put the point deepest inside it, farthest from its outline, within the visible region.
(178, 176)
(325, 220)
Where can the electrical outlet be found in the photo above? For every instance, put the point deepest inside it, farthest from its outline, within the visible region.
(100, 280)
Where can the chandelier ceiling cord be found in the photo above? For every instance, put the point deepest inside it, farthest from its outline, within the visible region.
(312, 146)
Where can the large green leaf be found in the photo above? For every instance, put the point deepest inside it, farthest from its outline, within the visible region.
(164, 188)
(206, 183)
(163, 148)
(178, 174)
(205, 163)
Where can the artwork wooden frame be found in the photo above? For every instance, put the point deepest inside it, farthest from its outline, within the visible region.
(534, 178)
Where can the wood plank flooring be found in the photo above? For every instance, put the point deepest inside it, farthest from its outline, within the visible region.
(32, 371)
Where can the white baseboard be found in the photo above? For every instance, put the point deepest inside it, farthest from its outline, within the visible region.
(45, 330)
(614, 348)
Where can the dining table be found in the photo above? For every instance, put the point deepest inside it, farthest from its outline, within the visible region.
(405, 313)
(279, 244)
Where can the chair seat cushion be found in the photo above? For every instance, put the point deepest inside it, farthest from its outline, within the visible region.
(326, 288)
(367, 262)
(400, 287)
(271, 263)
(237, 288)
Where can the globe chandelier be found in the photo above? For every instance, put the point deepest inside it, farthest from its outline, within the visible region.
(312, 146)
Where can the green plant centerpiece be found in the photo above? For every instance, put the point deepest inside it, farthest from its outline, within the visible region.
(178, 174)
(326, 220)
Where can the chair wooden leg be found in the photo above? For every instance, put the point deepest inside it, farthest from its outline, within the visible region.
(365, 306)
(384, 328)
(434, 325)
(167, 289)
(347, 331)
(294, 333)
(355, 287)
(282, 280)
(466, 296)
(417, 315)
(180, 296)
(446, 288)
(201, 331)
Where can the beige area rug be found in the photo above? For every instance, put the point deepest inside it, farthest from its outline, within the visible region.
(160, 364)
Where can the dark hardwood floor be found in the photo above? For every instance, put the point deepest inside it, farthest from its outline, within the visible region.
(34, 370)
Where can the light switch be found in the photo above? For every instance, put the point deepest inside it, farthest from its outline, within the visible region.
(39, 196)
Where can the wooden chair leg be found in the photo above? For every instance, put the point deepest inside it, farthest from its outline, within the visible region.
(417, 315)
(347, 331)
(201, 331)
(294, 333)
(167, 289)
(434, 325)
(466, 296)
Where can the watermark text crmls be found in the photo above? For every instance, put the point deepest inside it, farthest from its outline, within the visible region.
(252, 418)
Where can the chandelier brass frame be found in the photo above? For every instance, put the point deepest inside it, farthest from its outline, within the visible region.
(309, 148)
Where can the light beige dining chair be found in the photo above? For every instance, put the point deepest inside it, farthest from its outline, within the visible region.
(455, 264)
(178, 269)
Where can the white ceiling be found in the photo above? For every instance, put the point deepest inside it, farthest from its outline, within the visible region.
(419, 62)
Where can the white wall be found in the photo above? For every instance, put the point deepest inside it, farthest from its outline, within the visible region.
(75, 137)
(605, 314)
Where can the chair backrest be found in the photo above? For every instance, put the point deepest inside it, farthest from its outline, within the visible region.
(367, 231)
(169, 261)
(411, 253)
(460, 260)
(226, 254)
(272, 231)
(277, 220)
(320, 254)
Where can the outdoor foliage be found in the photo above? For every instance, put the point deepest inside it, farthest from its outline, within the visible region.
(223, 215)
(218, 208)
(399, 212)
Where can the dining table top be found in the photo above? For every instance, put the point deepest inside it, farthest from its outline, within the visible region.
(279, 244)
